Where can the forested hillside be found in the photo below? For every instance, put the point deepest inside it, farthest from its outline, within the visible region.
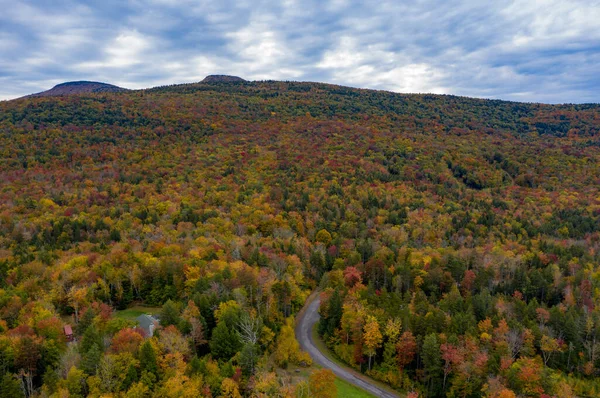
(456, 241)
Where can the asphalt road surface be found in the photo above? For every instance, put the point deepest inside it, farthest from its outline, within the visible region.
(304, 335)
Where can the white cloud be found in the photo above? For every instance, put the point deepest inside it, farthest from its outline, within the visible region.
(125, 50)
(544, 50)
(257, 44)
(261, 52)
(372, 66)
(551, 23)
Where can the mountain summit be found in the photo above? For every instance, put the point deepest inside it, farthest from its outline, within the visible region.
(222, 79)
(79, 87)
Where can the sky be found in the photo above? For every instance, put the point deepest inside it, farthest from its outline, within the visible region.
(521, 50)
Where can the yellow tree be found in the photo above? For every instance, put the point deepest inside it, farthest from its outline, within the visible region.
(288, 349)
(324, 237)
(77, 299)
(138, 390)
(549, 346)
(229, 389)
(392, 329)
(352, 321)
(372, 337)
(180, 386)
(322, 384)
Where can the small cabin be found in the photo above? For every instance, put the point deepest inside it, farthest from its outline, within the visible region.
(68, 332)
(148, 324)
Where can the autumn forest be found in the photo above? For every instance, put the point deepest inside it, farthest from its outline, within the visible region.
(454, 242)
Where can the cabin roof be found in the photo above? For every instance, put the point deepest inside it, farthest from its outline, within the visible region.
(146, 321)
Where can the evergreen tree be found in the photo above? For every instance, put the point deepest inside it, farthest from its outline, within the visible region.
(90, 360)
(195, 366)
(224, 342)
(317, 261)
(148, 358)
(91, 337)
(331, 322)
(130, 378)
(6, 357)
(169, 315)
(85, 321)
(205, 304)
(389, 355)
(10, 387)
(248, 358)
(50, 379)
(432, 365)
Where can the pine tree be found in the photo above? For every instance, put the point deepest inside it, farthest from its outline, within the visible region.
(169, 315)
(335, 313)
(224, 342)
(90, 360)
(331, 321)
(85, 321)
(248, 358)
(432, 364)
(389, 355)
(130, 378)
(90, 338)
(148, 358)
(317, 261)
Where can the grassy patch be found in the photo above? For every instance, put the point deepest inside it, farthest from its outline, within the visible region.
(134, 312)
(347, 390)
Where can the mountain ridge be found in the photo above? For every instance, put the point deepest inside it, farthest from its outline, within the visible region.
(78, 87)
(92, 87)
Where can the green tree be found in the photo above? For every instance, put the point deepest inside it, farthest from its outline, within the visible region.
(50, 379)
(331, 321)
(91, 359)
(317, 261)
(169, 314)
(10, 387)
(130, 378)
(91, 337)
(148, 361)
(224, 342)
(85, 321)
(249, 357)
(432, 364)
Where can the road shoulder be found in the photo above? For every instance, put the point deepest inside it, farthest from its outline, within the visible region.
(305, 322)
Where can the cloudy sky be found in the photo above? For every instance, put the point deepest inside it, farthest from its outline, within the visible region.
(524, 50)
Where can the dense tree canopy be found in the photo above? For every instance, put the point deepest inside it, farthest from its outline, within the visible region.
(456, 241)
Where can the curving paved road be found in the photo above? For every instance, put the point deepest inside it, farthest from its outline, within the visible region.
(304, 328)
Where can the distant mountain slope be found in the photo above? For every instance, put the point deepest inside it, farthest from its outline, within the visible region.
(80, 87)
(222, 79)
